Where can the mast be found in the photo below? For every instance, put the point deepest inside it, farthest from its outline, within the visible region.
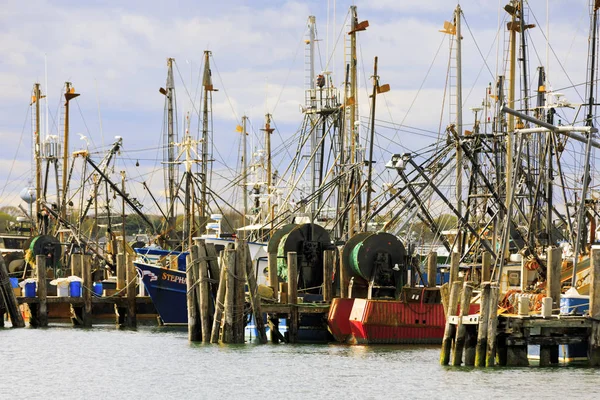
(169, 141)
(69, 95)
(38, 156)
(268, 131)
(352, 108)
(580, 239)
(207, 101)
(244, 169)
(459, 128)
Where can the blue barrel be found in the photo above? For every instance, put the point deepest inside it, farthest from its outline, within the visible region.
(98, 288)
(75, 289)
(30, 289)
(14, 282)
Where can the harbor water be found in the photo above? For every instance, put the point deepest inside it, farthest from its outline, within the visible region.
(159, 363)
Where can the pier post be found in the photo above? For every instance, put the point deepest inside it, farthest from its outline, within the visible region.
(121, 273)
(492, 326)
(454, 266)
(9, 296)
(76, 268)
(486, 266)
(42, 290)
(191, 296)
(273, 279)
(343, 271)
(481, 346)
(131, 277)
(431, 269)
(450, 328)
(255, 298)
(203, 289)
(553, 281)
(86, 271)
(227, 335)
(240, 285)
(328, 260)
(594, 311)
(216, 327)
(461, 329)
(292, 264)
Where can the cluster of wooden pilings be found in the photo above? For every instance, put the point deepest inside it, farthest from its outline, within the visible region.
(487, 339)
(125, 299)
(225, 321)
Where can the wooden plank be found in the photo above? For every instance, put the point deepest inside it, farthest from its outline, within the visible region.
(191, 275)
(255, 299)
(454, 267)
(213, 267)
(292, 261)
(76, 266)
(121, 272)
(344, 281)
(42, 290)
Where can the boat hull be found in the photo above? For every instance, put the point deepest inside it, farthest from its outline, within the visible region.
(167, 289)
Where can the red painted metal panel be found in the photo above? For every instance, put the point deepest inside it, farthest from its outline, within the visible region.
(339, 319)
(389, 321)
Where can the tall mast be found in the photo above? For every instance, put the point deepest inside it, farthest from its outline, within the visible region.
(207, 102)
(459, 127)
(170, 141)
(244, 168)
(351, 108)
(38, 155)
(580, 240)
(69, 95)
(268, 131)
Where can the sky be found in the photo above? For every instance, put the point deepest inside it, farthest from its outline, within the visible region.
(114, 53)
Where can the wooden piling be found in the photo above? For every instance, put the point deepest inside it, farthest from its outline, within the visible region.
(431, 269)
(131, 277)
(554, 266)
(343, 272)
(255, 298)
(121, 273)
(42, 290)
(450, 329)
(594, 310)
(486, 266)
(219, 306)
(292, 264)
(10, 300)
(86, 272)
(328, 260)
(490, 356)
(203, 290)
(240, 291)
(76, 266)
(273, 278)
(227, 335)
(454, 266)
(482, 332)
(191, 274)
(461, 329)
